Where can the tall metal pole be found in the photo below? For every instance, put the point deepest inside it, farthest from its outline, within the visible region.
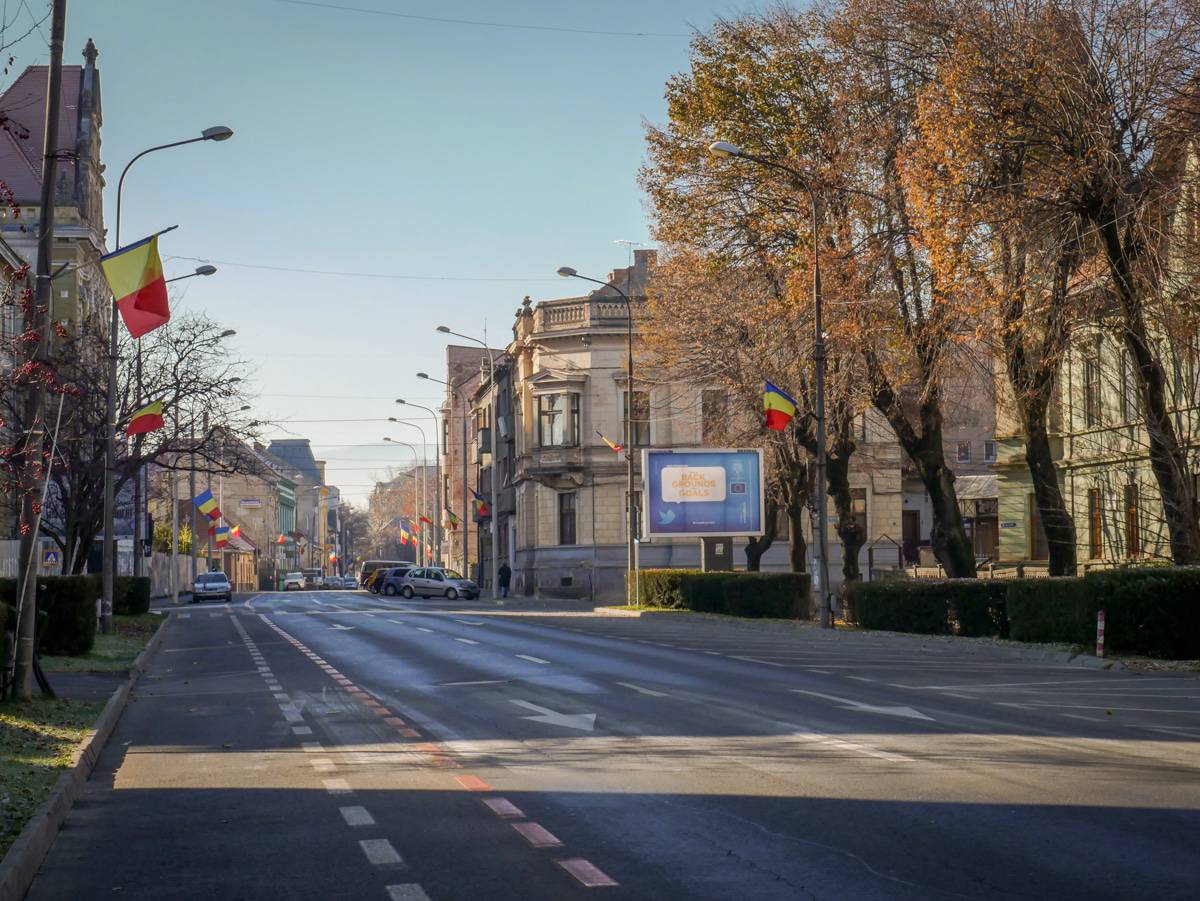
(821, 570)
(493, 444)
(33, 466)
(463, 517)
(437, 466)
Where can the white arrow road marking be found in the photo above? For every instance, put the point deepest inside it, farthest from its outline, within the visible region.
(585, 722)
(847, 704)
(340, 627)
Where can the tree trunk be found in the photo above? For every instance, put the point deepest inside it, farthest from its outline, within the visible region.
(798, 550)
(1057, 522)
(1168, 461)
(756, 547)
(851, 534)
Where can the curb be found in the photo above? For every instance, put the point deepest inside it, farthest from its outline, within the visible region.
(25, 856)
(966, 645)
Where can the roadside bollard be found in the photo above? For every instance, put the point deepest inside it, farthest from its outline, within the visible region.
(1100, 634)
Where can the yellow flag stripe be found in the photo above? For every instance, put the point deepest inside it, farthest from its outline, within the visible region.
(154, 409)
(772, 401)
(128, 271)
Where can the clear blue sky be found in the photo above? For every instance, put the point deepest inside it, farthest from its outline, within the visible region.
(378, 144)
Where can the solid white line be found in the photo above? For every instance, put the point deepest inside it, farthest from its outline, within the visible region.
(356, 816)
(409, 892)
(379, 851)
(337, 786)
(645, 691)
(755, 660)
(476, 682)
(1166, 730)
(532, 659)
(466, 641)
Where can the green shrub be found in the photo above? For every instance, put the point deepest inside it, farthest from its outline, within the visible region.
(662, 587)
(778, 595)
(705, 592)
(1055, 609)
(131, 595)
(1153, 611)
(978, 607)
(900, 606)
(69, 605)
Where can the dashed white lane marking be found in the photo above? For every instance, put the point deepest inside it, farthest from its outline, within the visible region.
(185, 616)
(466, 641)
(504, 808)
(215, 615)
(475, 682)
(532, 659)
(372, 615)
(337, 786)
(645, 691)
(713, 653)
(410, 892)
(1086, 719)
(280, 696)
(588, 874)
(469, 622)
(423, 629)
(1167, 730)
(311, 747)
(302, 730)
(821, 672)
(537, 835)
(322, 764)
(953, 694)
(380, 852)
(862, 679)
(821, 738)
(356, 816)
(398, 622)
(755, 660)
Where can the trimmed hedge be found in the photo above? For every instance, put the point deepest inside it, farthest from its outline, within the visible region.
(975, 607)
(67, 612)
(782, 595)
(131, 595)
(1150, 611)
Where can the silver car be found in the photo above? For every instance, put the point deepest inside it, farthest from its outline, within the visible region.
(433, 581)
(212, 586)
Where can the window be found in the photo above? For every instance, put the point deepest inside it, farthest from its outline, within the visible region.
(964, 452)
(989, 451)
(1091, 392)
(558, 420)
(1133, 525)
(714, 405)
(566, 518)
(1095, 525)
(641, 420)
(1129, 389)
(858, 508)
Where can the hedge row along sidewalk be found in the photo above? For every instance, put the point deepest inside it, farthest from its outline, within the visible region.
(775, 595)
(1150, 611)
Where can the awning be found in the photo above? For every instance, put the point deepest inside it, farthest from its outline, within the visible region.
(976, 488)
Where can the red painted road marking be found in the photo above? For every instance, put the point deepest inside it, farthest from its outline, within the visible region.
(394, 721)
(408, 733)
(473, 783)
(538, 836)
(504, 808)
(588, 874)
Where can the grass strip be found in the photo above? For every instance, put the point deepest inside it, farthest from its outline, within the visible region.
(111, 653)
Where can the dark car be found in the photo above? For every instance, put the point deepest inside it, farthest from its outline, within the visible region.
(376, 580)
(212, 587)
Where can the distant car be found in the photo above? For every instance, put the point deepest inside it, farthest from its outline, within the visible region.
(212, 586)
(433, 581)
(293, 582)
(378, 580)
(369, 566)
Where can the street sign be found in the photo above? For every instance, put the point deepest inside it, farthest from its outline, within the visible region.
(51, 558)
(702, 493)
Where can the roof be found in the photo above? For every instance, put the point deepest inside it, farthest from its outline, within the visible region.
(976, 488)
(297, 454)
(24, 104)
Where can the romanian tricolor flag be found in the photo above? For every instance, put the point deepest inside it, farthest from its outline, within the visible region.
(148, 419)
(779, 408)
(207, 505)
(426, 520)
(222, 536)
(415, 527)
(403, 537)
(282, 539)
(135, 277)
(235, 531)
(452, 520)
(616, 448)
(481, 507)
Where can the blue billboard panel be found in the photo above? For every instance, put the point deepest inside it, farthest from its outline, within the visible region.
(702, 492)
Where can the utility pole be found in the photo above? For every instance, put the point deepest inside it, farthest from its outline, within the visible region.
(34, 468)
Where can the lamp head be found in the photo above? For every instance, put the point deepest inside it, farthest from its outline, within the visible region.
(567, 272)
(444, 329)
(217, 133)
(422, 375)
(206, 269)
(385, 438)
(228, 333)
(724, 148)
(400, 400)
(393, 419)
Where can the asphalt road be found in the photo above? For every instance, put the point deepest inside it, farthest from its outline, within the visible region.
(338, 745)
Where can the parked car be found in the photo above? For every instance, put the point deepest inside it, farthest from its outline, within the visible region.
(370, 566)
(293, 582)
(432, 581)
(212, 586)
(377, 580)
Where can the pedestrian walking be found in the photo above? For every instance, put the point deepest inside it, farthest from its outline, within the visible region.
(504, 576)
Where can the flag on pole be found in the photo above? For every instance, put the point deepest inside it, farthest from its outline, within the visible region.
(481, 507)
(779, 408)
(415, 527)
(148, 419)
(135, 277)
(235, 531)
(426, 520)
(222, 536)
(281, 539)
(616, 448)
(207, 504)
(403, 537)
(452, 520)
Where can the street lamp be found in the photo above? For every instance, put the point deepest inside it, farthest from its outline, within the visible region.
(466, 520)
(494, 515)
(424, 457)
(437, 469)
(631, 523)
(214, 133)
(200, 270)
(727, 150)
(424, 502)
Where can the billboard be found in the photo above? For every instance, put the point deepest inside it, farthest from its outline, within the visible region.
(702, 493)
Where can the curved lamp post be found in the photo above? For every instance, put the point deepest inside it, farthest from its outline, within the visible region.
(215, 133)
(437, 469)
(631, 523)
(466, 520)
(821, 568)
(424, 489)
